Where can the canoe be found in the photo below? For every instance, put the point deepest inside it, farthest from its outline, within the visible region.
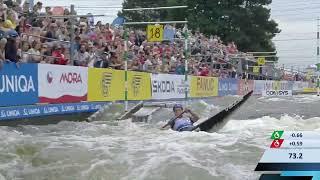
(208, 124)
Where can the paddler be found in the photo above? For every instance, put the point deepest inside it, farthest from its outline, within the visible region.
(181, 122)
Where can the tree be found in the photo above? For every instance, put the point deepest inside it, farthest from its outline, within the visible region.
(246, 22)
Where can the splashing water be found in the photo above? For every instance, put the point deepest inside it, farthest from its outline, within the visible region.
(124, 150)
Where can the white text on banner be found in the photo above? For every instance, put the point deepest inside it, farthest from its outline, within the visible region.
(62, 84)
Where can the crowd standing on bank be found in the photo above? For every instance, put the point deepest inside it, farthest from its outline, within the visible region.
(32, 36)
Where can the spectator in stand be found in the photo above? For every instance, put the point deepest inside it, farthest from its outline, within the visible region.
(23, 52)
(45, 53)
(3, 43)
(82, 56)
(52, 32)
(34, 52)
(57, 52)
(11, 48)
(180, 69)
(37, 8)
(102, 61)
(204, 70)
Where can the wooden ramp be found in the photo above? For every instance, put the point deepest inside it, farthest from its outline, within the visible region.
(144, 114)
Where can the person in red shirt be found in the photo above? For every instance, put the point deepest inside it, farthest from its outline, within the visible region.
(58, 53)
(204, 70)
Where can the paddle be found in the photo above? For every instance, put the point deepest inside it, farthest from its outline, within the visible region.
(172, 119)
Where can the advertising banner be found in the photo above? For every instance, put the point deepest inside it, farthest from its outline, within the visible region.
(105, 85)
(228, 87)
(139, 86)
(167, 86)
(19, 112)
(280, 93)
(243, 84)
(298, 86)
(18, 85)
(62, 84)
(204, 86)
(263, 85)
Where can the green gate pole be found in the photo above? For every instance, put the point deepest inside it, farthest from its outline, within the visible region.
(186, 64)
(126, 69)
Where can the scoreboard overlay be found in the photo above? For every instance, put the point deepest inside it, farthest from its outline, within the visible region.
(296, 154)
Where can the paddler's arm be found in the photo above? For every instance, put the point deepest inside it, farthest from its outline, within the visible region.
(194, 117)
(168, 124)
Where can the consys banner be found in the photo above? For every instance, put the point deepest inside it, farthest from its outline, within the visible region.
(266, 85)
(62, 84)
(167, 86)
(18, 84)
(204, 86)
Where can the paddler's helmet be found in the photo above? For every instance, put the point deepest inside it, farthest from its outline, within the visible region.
(177, 106)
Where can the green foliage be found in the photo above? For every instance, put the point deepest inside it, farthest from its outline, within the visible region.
(246, 22)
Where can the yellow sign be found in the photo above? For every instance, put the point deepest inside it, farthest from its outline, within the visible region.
(309, 90)
(204, 86)
(256, 69)
(139, 86)
(105, 85)
(261, 61)
(155, 33)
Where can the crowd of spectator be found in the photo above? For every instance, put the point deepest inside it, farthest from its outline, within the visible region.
(32, 35)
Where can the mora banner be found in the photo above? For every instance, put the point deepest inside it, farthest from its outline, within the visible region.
(139, 86)
(105, 85)
(204, 86)
(167, 86)
(228, 87)
(62, 84)
(18, 85)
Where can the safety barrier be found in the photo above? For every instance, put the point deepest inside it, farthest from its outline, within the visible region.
(29, 84)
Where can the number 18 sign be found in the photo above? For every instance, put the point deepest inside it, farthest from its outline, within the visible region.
(155, 33)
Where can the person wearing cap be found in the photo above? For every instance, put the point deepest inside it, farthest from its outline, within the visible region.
(181, 122)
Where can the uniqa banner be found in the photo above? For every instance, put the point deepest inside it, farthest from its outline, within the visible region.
(18, 84)
(228, 87)
(168, 86)
(105, 85)
(139, 86)
(204, 86)
(18, 112)
(62, 84)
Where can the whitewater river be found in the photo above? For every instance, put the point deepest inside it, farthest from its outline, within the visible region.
(111, 150)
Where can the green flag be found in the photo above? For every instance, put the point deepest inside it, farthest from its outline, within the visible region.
(276, 135)
(318, 66)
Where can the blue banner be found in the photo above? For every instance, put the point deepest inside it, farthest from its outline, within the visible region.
(7, 113)
(228, 87)
(169, 33)
(18, 84)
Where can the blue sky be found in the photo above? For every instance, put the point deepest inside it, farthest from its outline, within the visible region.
(296, 44)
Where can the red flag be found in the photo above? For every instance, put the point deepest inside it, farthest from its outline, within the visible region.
(277, 143)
